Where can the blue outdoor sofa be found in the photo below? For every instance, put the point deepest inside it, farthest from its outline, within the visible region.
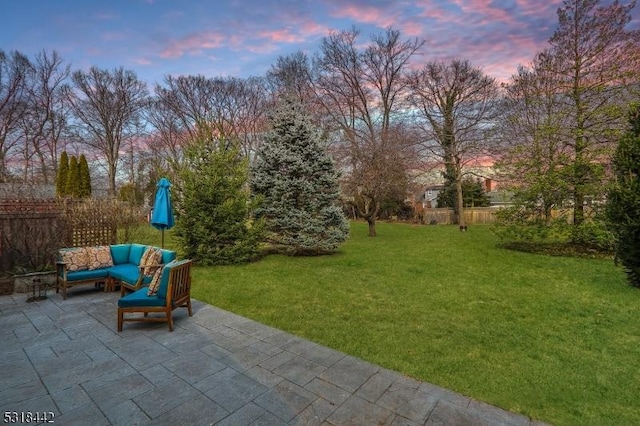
(111, 265)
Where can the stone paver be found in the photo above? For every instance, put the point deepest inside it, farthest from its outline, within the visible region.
(216, 368)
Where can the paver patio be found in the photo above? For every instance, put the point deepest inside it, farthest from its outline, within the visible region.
(66, 357)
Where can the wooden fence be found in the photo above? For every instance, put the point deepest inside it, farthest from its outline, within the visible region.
(31, 231)
(473, 216)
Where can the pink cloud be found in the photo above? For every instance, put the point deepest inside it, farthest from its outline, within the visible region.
(412, 29)
(193, 44)
(281, 36)
(485, 9)
(366, 14)
(432, 11)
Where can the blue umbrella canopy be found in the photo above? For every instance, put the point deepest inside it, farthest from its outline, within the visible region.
(162, 215)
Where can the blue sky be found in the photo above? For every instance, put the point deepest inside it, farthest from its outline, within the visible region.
(244, 37)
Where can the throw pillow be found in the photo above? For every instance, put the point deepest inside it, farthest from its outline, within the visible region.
(75, 258)
(99, 257)
(155, 282)
(151, 257)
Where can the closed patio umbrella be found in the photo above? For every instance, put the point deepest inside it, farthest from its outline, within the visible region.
(162, 215)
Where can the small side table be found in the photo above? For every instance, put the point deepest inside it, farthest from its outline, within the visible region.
(37, 286)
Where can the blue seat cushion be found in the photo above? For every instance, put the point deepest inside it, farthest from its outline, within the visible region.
(120, 253)
(140, 298)
(126, 272)
(87, 274)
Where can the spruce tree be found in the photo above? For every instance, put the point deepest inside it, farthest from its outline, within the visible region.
(298, 185)
(72, 188)
(623, 202)
(85, 177)
(213, 204)
(63, 172)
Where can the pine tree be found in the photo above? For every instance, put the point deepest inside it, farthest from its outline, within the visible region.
(213, 204)
(85, 177)
(72, 187)
(473, 194)
(623, 205)
(63, 172)
(299, 186)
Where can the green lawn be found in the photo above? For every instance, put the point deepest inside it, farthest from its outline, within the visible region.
(557, 339)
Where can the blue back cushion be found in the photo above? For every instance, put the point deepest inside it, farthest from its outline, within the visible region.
(120, 253)
(164, 281)
(168, 256)
(136, 252)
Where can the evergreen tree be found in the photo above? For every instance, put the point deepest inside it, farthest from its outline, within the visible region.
(72, 188)
(473, 194)
(85, 177)
(213, 204)
(131, 194)
(63, 172)
(299, 186)
(623, 205)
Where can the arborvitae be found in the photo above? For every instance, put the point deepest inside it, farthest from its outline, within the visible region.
(623, 201)
(85, 177)
(298, 185)
(63, 172)
(72, 187)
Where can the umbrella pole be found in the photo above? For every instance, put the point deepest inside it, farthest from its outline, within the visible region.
(162, 243)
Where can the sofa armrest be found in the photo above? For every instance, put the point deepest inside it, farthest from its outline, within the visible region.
(154, 268)
(61, 269)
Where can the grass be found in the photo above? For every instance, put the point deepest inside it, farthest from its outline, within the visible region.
(554, 338)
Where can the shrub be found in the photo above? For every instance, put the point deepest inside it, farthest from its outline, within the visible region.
(623, 205)
(594, 235)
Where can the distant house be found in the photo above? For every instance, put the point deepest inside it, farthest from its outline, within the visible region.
(428, 197)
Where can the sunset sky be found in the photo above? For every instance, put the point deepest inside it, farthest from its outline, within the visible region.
(244, 37)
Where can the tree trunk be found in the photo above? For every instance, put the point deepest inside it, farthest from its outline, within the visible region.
(112, 180)
(580, 177)
(460, 204)
(371, 220)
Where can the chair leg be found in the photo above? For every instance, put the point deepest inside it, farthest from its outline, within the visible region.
(189, 307)
(170, 319)
(120, 319)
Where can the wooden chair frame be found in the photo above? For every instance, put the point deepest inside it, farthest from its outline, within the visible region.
(178, 296)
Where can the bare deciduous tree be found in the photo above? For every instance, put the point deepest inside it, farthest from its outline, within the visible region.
(360, 90)
(290, 77)
(15, 72)
(232, 106)
(107, 106)
(456, 104)
(168, 137)
(45, 120)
